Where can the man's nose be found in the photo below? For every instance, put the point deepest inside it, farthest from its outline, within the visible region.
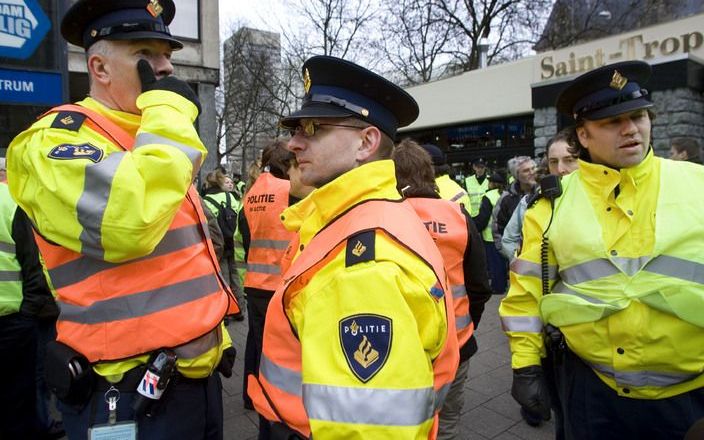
(162, 67)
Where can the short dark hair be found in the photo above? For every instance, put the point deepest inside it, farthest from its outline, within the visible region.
(688, 144)
(415, 176)
(276, 157)
(567, 135)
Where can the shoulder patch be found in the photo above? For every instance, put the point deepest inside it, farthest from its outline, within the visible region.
(360, 248)
(70, 152)
(366, 343)
(68, 120)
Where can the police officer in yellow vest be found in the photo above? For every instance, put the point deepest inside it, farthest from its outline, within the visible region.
(24, 293)
(447, 188)
(624, 291)
(108, 186)
(359, 341)
(477, 184)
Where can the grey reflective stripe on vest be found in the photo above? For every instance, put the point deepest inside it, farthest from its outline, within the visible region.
(84, 267)
(282, 378)
(589, 271)
(10, 275)
(369, 406)
(272, 269)
(441, 395)
(677, 268)
(7, 247)
(199, 346)
(528, 268)
(462, 322)
(90, 208)
(630, 266)
(560, 287)
(140, 303)
(193, 154)
(526, 324)
(459, 292)
(643, 378)
(269, 244)
(458, 196)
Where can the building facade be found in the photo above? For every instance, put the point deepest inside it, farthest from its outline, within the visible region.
(508, 109)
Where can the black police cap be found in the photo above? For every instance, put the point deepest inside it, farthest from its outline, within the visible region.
(436, 154)
(336, 88)
(607, 91)
(88, 21)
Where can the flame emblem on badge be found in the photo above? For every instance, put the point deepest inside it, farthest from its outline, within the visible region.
(365, 354)
(306, 81)
(618, 81)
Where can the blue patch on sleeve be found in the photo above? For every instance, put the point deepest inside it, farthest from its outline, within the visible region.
(366, 343)
(437, 291)
(71, 152)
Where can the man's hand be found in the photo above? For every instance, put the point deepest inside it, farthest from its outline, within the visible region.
(170, 83)
(531, 392)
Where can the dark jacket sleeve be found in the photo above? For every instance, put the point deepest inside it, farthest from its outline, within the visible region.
(244, 231)
(484, 215)
(37, 298)
(476, 275)
(214, 230)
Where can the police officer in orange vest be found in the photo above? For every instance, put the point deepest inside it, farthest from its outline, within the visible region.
(107, 183)
(359, 341)
(265, 240)
(462, 250)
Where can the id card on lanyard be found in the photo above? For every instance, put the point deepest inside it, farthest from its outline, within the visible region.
(117, 431)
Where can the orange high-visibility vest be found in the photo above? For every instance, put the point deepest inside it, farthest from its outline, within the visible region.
(173, 297)
(284, 402)
(263, 205)
(448, 227)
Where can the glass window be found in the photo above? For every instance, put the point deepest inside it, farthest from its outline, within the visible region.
(186, 23)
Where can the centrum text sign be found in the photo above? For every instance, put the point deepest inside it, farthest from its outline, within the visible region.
(38, 88)
(23, 25)
(657, 42)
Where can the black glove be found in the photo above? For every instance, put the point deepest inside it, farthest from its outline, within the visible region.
(170, 83)
(531, 392)
(227, 362)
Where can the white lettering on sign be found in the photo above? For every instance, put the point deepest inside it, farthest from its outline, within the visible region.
(12, 85)
(13, 21)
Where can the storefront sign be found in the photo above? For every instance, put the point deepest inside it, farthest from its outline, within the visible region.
(23, 26)
(657, 42)
(37, 88)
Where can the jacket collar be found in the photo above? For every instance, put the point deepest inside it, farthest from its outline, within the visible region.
(128, 121)
(374, 180)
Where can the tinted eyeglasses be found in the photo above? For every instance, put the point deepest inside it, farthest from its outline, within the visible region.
(308, 128)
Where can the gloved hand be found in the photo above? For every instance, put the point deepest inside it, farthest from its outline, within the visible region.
(170, 83)
(531, 392)
(227, 361)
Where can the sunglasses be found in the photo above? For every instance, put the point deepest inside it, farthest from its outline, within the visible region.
(309, 128)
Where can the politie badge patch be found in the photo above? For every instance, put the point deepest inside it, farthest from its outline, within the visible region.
(366, 343)
(70, 152)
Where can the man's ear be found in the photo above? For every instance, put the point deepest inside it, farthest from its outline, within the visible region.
(371, 139)
(98, 69)
(582, 135)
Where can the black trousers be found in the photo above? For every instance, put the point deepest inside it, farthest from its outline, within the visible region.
(189, 409)
(256, 314)
(18, 354)
(593, 411)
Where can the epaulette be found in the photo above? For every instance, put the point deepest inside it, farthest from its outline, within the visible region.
(360, 248)
(68, 120)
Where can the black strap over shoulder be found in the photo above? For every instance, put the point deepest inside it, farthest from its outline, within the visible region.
(68, 120)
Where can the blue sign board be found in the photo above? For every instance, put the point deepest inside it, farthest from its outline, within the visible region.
(23, 25)
(22, 87)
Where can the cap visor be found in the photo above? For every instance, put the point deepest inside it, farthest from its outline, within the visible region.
(624, 107)
(315, 111)
(146, 35)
